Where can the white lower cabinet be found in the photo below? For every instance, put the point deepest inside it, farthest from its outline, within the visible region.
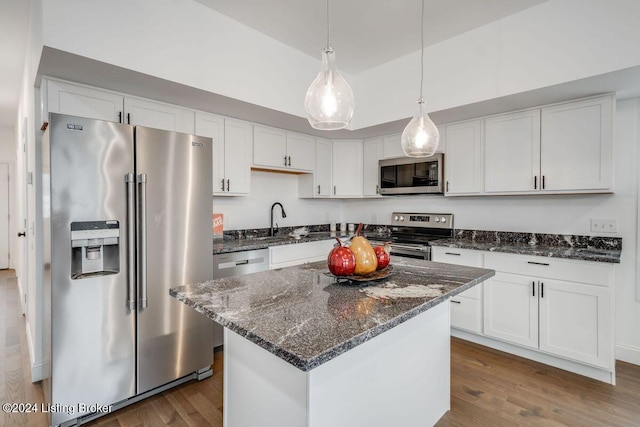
(539, 303)
(556, 311)
(299, 253)
(511, 309)
(575, 321)
(466, 308)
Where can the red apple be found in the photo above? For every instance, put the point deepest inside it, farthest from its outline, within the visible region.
(382, 254)
(341, 260)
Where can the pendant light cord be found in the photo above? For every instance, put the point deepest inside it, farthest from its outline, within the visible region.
(421, 100)
(328, 43)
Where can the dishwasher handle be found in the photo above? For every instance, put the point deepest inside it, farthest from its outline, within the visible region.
(240, 263)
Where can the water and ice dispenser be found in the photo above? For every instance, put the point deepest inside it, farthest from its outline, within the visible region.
(95, 248)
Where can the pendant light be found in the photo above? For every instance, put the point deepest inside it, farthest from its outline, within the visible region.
(421, 137)
(329, 102)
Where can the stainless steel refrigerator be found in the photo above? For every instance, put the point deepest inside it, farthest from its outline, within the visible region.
(126, 215)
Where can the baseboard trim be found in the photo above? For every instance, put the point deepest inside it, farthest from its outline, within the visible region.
(600, 374)
(628, 354)
(38, 368)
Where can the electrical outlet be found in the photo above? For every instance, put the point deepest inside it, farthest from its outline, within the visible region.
(604, 225)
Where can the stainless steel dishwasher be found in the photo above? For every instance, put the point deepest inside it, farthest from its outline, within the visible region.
(237, 264)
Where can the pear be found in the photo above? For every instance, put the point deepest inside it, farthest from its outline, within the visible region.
(366, 260)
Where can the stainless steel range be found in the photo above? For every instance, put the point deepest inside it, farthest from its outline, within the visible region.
(412, 232)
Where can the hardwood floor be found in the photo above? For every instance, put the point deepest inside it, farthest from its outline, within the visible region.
(488, 388)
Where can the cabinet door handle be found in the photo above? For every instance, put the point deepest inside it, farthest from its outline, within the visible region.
(228, 186)
(447, 186)
(318, 189)
(222, 184)
(541, 290)
(452, 253)
(128, 118)
(456, 302)
(119, 116)
(289, 161)
(535, 182)
(334, 190)
(533, 289)
(285, 160)
(538, 263)
(543, 182)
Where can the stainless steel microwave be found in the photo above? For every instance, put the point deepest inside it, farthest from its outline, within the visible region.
(412, 175)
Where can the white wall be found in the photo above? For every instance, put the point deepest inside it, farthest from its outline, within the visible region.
(555, 42)
(27, 125)
(185, 42)
(254, 211)
(8, 156)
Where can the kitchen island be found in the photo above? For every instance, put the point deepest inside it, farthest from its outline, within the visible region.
(302, 350)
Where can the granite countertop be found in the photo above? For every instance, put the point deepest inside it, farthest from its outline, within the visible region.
(524, 248)
(249, 244)
(302, 316)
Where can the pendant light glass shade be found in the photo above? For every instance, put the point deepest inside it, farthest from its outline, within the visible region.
(329, 102)
(421, 137)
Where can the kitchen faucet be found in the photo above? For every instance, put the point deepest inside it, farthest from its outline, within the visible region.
(284, 215)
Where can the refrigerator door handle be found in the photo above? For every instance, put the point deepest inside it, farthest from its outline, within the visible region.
(131, 242)
(142, 241)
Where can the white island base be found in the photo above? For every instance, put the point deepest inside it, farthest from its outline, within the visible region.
(398, 378)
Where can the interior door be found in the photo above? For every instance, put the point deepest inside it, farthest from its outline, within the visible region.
(173, 339)
(4, 215)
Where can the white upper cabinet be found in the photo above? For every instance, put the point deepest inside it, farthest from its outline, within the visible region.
(392, 146)
(238, 148)
(158, 115)
(512, 152)
(347, 168)
(463, 158)
(78, 100)
(269, 147)
(301, 151)
(576, 145)
(213, 126)
(562, 148)
(373, 151)
(278, 149)
(83, 101)
(231, 153)
(318, 184)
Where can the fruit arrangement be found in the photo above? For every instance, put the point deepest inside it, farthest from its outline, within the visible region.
(358, 258)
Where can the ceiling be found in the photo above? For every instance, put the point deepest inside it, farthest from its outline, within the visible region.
(365, 33)
(14, 23)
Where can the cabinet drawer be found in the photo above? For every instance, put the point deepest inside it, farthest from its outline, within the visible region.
(299, 253)
(456, 256)
(554, 268)
(466, 313)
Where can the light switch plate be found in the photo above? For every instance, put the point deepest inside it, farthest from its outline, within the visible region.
(604, 225)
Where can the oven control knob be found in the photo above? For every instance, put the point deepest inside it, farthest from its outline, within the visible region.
(443, 219)
(437, 219)
(401, 217)
(395, 217)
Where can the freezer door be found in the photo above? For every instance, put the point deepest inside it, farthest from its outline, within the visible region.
(174, 174)
(92, 328)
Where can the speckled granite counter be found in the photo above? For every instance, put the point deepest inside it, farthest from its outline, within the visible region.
(249, 244)
(302, 316)
(585, 248)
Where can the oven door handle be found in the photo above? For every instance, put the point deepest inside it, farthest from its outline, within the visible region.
(410, 248)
